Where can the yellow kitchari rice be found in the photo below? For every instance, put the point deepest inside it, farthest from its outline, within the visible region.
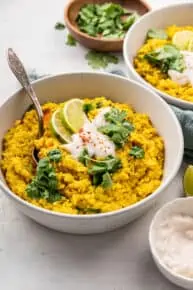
(153, 75)
(137, 179)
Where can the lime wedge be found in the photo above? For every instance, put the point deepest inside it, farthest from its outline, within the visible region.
(58, 127)
(73, 115)
(181, 39)
(188, 181)
(190, 45)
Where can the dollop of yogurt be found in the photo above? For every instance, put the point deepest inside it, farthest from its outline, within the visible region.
(186, 76)
(99, 120)
(96, 143)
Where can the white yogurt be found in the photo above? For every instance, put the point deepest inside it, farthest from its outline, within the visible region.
(174, 243)
(187, 75)
(96, 143)
(99, 120)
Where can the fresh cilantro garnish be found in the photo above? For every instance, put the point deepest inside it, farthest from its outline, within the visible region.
(100, 169)
(100, 59)
(44, 184)
(55, 155)
(109, 20)
(70, 40)
(84, 157)
(177, 64)
(118, 128)
(106, 180)
(87, 107)
(167, 57)
(156, 34)
(137, 152)
(110, 164)
(115, 116)
(130, 20)
(59, 26)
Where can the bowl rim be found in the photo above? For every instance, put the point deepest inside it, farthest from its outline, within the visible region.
(179, 102)
(91, 38)
(152, 196)
(152, 243)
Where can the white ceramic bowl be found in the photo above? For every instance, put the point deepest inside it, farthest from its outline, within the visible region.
(76, 85)
(178, 206)
(179, 14)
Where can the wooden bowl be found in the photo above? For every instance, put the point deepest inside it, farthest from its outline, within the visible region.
(99, 43)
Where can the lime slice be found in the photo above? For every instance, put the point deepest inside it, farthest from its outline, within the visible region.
(188, 181)
(181, 39)
(190, 45)
(58, 127)
(73, 115)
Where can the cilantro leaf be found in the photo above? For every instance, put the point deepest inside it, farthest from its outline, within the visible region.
(137, 152)
(105, 25)
(118, 128)
(177, 64)
(84, 157)
(107, 19)
(115, 116)
(87, 108)
(55, 155)
(59, 26)
(54, 197)
(130, 20)
(71, 41)
(100, 60)
(44, 184)
(97, 179)
(110, 164)
(112, 10)
(89, 29)
(167, 57)
(117, 133)
(157, 34)
(97, 169)
(106, 180)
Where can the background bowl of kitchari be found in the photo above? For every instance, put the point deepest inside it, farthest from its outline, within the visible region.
(60, 88)
(142, 40)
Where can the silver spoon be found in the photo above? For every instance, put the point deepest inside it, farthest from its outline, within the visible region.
(19, 71)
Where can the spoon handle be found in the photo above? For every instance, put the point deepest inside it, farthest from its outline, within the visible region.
(20, 73)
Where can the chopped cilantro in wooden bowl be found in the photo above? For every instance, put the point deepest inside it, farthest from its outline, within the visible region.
(102, 25)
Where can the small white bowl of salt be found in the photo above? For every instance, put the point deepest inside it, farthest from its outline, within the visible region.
(171, 241)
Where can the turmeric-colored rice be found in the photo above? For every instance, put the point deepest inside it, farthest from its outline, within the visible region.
(154, 76)
(137, 179)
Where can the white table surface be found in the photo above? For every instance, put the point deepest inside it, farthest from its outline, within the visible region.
(31, 256)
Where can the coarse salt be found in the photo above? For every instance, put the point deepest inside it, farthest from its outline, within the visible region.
(174, 243)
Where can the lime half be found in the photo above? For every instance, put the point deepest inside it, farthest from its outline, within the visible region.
(73, 115)
(58, 127)
(181, 39)
(188, 181)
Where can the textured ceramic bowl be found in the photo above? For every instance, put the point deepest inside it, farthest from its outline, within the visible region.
(178, 206)
(76, 85)
(179, 14)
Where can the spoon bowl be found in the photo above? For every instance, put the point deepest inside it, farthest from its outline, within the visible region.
(99, 43)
